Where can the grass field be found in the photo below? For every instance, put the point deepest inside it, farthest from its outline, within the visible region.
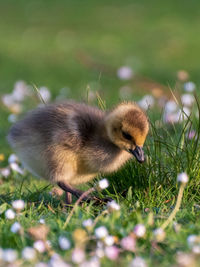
(76, 48)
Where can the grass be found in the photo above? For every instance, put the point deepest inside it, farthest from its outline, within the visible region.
(80, 45)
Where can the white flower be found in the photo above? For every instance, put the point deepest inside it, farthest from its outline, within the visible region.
(87, 223)
(109, 240)
(191, 240)
(189, 87)
(15, 167)
(159, 234)
(56, 261)
(140, 230)
(103, 184)
(28, 253)
(20, 91)
(41, 264)
(39, 245)
(78, 255)
(15, 227)
(125, 73)
(113, 206)
(45, 94)
(93, 262)
(5, 172)
(171, 106)
(18, 204)
(196, 249)
(138, 262)
(10, 214)
(13, 158)
(99, 253)
(182, 178)
(64, 243)
(42, 221)
(8, 100)
(187, 99)
(146, 102)
(12, 118)
(9, 255)
(101, 232)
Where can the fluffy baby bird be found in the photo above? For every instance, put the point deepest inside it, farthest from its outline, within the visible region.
(69, 143)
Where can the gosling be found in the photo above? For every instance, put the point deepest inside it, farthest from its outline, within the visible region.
(69, 143)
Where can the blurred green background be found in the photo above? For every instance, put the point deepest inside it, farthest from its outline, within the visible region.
(81, 44)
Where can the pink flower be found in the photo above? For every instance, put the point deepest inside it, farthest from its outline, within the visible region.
(112, 252)
(128, 243)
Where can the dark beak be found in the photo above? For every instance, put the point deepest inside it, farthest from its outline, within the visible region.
(138, 153)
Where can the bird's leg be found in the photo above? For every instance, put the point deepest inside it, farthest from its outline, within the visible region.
(68, 198)
(76, 192)
(71, 191)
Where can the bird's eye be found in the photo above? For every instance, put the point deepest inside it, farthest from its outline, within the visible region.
(126, 135)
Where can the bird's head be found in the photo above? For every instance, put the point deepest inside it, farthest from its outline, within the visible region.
(127, 127)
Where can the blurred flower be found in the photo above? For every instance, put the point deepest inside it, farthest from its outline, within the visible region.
(12, 118)
(103, 184)
(140, 230)
(125, 73)
(41, 264)
(28, 253)
(42, 221)
(113, 206)
(2, 157)
(159, 234)
(15, 227)
(100, 253)
(10, 214)
(146, 102)
(39, 232)
(112, 252)
(182, 178)
(13, 158)
(193, 240)
(40, 246)
(101, 232)
(138, 262)
(20, 91)
(15, 167)
(5, 172)
(64, 243)
(87, 223)
(189, 87)
(56, 261)
(170, 106)
(16, 109)
(187, 100)
(185, 259)
(109, 240)
(78, 256)
(9, 255)
(191, 134)
(79, 236)
(45, 94)
(18, 204)
(93, 262)
(8, 100)
(182, 75)
(128, 243)
(196, 249)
